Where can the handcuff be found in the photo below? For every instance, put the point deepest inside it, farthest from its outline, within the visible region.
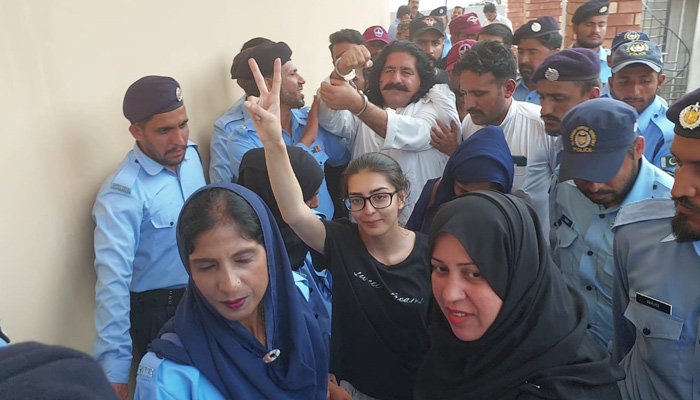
(349, 79)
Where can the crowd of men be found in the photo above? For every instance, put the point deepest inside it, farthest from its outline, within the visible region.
(594, 145)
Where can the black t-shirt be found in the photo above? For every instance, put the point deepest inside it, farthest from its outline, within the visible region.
(379, 322)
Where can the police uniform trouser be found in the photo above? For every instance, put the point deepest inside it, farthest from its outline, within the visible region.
(150, 310)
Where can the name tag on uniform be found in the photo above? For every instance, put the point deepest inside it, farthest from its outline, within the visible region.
(563, 220)
(668, 162)
(655, 304)
(520, 161)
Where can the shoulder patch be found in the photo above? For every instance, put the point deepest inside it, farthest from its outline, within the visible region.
(645, 210)
(125, 178)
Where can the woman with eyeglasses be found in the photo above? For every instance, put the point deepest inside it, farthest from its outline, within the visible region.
(381, 275)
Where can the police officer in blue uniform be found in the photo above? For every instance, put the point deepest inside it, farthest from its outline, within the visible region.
(620, 39)
(636, 80)
(656, 301)
(589, 24)
(299, 125)
(537, 39)
(219, 163)
(140, 277)
(605, 169)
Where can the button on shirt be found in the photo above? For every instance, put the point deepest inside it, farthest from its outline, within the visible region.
(220, 165)
(326, 149)
(524, 132)
(658, 134)
(523, 93)
(135, 249)
(584, 249)
(656, 305)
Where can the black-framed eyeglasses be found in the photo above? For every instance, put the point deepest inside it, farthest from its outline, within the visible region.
(378, 201)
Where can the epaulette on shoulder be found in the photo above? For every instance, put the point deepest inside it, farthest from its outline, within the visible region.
(125, 178)
(645, 210)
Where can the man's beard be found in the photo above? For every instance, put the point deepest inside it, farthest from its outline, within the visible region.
(681, 226)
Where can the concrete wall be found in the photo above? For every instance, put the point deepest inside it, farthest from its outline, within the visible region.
(65, 67)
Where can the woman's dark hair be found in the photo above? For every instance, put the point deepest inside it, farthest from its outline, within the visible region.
(211, 208)
(379, 163)
(426, 72)
(500, 30)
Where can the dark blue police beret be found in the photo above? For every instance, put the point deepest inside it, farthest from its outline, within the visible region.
(151, 95)
(535, 28)
(439, 12)
(264, 54)
(572, 64)
(590, 9)
(685, 113)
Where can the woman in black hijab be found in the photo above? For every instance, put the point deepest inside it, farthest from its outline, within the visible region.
(507, 326)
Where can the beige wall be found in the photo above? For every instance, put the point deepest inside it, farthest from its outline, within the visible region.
(64, 68)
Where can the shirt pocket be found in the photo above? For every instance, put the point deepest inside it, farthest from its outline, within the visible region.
(568, 263)
(162, 231)
(658, 334)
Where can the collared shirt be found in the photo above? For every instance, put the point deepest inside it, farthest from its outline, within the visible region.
(392, 29)
(656, 305)
(523, 93)
(584, 249)
(326, 149)
(135, 249)
(500, 19)
(524, 132)
(407, 137)
(220, 165)
(658, 134)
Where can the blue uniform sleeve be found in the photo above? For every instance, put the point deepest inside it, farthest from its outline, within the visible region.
(160, 379)
(624, 332)
(336, 148)
(117, 218)
(219, 165)
(238, 144)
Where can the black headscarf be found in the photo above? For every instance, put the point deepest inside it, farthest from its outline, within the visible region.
(33, 370)
(253, 175)
(538, 343)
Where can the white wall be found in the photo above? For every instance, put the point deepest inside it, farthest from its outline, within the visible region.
(64, 68)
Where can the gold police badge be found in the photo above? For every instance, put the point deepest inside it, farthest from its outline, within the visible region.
(603, 10)
(551, 74)
(690, 116)
(638, 48)
(632, 36)
(582, 139)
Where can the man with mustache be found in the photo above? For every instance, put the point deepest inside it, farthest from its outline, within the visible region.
(429, 34)
(403, 102)
(656, 301)
(590, 23)
(636, 79)
(536, 40)
(299, 124)
(602, 169)
(140, 278)
(487, 80)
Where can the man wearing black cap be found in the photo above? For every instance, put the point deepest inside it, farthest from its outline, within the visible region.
(219, 164)
(140, 277)
(656, 301)
(636, 79)
(402, 104)
(429, 34)
(605, 169)
(536, 40)
(590, 23)
(299, 124)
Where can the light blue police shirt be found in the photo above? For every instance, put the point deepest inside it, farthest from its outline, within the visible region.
(135, 249)
(658, 134)
(326, 149)
(523, 93)
(656, 305)
(605, 71)
(220, 165)
(161, 379)
(584, 249)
